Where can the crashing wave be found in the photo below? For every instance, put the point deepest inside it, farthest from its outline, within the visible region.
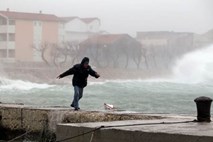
(195, 67)
(20, 84)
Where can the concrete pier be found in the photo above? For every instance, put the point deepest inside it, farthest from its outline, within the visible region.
(41, 122)
(18, 118)
(177, 132)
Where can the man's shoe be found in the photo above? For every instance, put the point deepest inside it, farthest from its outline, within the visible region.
(76, 109)
(72, 105)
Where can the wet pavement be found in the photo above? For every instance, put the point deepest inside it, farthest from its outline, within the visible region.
(173, 129)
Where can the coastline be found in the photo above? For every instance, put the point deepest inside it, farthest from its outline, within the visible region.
(48, 74)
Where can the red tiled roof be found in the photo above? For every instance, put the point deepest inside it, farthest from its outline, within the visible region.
(105, 39)
(85, 20)
(160, 34)
(30, 16)
(67, 19)
(88, 20)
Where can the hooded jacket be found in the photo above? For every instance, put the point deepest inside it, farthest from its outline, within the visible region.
(80, 74)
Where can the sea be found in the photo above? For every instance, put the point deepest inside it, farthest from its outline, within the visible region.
(192, 77)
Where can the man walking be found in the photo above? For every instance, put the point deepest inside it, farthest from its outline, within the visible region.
(80, 74)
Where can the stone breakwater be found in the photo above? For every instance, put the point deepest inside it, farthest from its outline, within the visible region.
(16, 119)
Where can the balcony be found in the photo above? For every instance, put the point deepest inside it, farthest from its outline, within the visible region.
(3, 29)
(3, 45)
(11, 45)
(11, 29)
(7, 60)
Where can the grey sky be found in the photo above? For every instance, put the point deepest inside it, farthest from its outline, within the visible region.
(128, 16)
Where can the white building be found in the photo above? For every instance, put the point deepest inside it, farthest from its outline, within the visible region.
(79, 29)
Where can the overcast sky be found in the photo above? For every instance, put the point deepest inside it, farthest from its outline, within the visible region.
(128, 16)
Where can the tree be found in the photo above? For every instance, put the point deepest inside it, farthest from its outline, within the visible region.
(55, 54)
(42, 48)
(70, 49)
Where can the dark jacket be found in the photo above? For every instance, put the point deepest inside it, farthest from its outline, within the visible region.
(80, 74)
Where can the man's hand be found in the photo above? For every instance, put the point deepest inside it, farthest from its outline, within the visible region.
(59, 77)
(97, 75)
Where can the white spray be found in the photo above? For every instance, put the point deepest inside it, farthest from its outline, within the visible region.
(195, 67)
(20, 85)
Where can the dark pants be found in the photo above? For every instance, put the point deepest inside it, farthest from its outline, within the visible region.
(78, 93)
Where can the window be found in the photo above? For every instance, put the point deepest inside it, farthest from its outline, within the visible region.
(90, 27)
(12, 22)
(40, 24)
(61, 25)
(3, 21)
(3, 53)
(35, 23)
(11, 37)
(3, 37)
(11, 53)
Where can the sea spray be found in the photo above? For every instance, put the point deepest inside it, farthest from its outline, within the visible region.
(195, 67)
(20, 84)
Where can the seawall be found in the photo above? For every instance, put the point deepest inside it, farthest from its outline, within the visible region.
(40, 122)
(57, 124)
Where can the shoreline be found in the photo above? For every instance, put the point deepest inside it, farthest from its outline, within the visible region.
(48, 74)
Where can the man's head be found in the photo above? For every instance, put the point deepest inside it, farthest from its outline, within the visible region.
(85, 62)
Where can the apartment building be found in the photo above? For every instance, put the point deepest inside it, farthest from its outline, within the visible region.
(165, 39)
(79, 29)
(21, 34)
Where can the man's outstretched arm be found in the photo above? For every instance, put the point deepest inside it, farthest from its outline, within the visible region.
(93, 73)
(66, 73)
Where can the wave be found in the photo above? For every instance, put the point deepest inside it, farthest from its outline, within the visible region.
(128, 81)
(115, 81)
(21, 85)
(192, 68)
(195, 67)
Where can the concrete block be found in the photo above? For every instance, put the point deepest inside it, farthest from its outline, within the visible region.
(35, 119)
(11, 118)
(155, 132)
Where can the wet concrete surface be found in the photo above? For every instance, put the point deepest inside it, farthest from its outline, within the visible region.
(148, 131)
(72, 123)
(38, 118)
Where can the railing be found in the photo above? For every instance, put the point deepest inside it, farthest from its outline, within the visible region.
(11, 29)
(7, 59)
(11, 45)
(3, 45)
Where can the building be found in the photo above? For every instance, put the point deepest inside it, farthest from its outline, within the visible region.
(79, 29)
(20, 32)
(165, 39)
(113, 50)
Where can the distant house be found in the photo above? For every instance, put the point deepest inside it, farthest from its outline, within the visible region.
(107, 40)
(209, 35)
(114, 50)
(79, 29)
(165, 39)
(203, 40)
(19, 31)
(164, 47)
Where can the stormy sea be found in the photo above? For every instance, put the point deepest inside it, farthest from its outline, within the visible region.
(192, 77)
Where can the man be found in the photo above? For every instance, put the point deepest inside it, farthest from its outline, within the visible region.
(80, 74)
